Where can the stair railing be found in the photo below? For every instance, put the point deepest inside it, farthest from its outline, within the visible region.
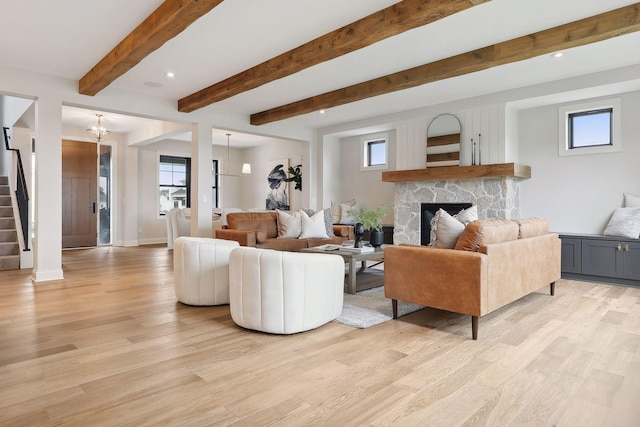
(22, 192)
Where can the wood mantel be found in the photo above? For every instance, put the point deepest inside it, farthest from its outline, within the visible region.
(514, 170)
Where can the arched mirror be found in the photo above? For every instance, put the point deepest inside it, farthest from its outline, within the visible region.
(443, 141)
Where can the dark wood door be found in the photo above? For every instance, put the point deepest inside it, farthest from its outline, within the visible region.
(79, 194)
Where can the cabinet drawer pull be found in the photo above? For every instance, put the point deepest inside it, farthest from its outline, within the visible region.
(626, 247)
(619, 247)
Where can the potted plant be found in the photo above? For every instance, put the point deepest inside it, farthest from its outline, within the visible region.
(371, 219)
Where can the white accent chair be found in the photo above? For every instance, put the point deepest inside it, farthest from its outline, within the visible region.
(284, 292)
(179, 222)
(201, 270)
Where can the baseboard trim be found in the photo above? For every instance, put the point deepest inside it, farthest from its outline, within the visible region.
(46, 276)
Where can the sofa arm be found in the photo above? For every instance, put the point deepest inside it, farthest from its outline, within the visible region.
(440, 278)
(344, 231)
(244, 237)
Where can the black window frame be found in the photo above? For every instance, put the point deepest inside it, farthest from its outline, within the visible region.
(178, 160)
(372, 142)
(187, 161)
(570, 126)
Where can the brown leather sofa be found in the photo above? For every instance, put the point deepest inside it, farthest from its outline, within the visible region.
(495, 263)
(260, 230)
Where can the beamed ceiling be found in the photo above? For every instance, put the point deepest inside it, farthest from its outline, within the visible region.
(289, 59)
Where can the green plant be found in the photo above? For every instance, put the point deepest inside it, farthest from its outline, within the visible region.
(371, 219)
(296, 176)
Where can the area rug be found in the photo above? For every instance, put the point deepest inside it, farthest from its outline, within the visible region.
(370, 307)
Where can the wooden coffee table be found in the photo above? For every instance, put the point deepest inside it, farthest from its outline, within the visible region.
(367, 280)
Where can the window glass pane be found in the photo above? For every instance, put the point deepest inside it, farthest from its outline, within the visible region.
(173, 178)
(377, 153)
(590, 129)
(166, 178)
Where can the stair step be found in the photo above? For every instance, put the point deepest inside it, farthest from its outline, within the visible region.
(4, 180)
(6, 212)
(7, 224)
(9, 249)
(4, 190)
(10, 262)
(9, 236)
(5, 200)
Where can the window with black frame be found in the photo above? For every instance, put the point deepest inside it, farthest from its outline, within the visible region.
(174, 178)
(593, 128)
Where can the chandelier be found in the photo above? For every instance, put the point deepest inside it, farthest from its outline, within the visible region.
(97, 131)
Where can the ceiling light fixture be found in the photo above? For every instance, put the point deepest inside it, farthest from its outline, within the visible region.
(557, 55)
(321, 111)
(98, 131)
(246, 167)
(170, 75)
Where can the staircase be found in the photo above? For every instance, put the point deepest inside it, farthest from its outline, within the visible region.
(9, 247)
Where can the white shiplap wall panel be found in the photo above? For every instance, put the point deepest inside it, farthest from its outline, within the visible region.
(411, 147)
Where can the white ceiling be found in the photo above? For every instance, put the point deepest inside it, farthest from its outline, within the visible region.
(67, 37)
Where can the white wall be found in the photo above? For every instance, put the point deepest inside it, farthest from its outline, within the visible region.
(255, 185)
(577, 193)
(366, 187)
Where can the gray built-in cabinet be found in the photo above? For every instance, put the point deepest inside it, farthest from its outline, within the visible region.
(601, 258)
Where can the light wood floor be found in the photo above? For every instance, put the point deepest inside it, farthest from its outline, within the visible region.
(109, 345)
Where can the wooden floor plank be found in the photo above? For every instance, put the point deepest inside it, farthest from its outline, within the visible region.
(110, 345)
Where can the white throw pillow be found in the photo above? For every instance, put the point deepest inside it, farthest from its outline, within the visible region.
(465, 216)
(631, 201)
(448, 230)
(347, 211)
(336, 211)
(313, 227)
(625, 222)
(289, 224)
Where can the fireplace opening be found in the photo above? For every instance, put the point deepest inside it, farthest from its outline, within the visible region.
(428, 210)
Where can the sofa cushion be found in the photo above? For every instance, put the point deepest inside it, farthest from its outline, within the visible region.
(531, 227)
(336, 211)
(625, 222)
(289, 224)
(328, 219)
(259, 221)
(349, 213)
(313, 227)
(487, 231)
(292, 245)
(631, 201)
(446, 228)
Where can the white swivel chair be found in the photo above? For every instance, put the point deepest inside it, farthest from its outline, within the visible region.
(201, 270)
(284, 292)
(178, 224)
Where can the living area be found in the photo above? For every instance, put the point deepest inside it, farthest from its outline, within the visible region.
(524, 308)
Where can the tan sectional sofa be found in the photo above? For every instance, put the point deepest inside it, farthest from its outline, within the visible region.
(495, 263)
(260, 230)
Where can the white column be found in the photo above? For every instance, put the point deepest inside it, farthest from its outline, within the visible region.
(129, 197)
(48, 189)
(201, 179)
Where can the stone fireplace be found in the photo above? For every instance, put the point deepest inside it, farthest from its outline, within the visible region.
(497, 197)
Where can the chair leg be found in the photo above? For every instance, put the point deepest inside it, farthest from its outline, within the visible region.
(552, 288)
(474, 327)
(394, 307)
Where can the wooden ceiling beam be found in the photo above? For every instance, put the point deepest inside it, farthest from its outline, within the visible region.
(166, 22)
(589, 30)
(393, 20)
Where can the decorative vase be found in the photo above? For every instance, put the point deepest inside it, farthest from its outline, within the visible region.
(376, 238)
(358, 233)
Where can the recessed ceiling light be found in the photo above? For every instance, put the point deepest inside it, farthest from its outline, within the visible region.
(170, 75)
(153, 84)
(557, 55)
(321, 111)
